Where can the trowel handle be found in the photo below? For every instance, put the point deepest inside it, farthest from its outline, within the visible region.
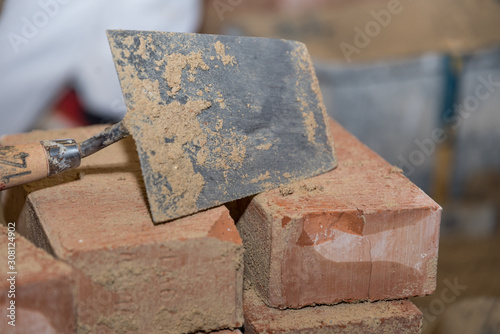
(25, 163)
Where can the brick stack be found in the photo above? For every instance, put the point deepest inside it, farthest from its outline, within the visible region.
(361, 233)
(131, 276)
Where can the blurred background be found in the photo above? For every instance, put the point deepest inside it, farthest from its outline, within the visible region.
(419, 83)
(416, 81)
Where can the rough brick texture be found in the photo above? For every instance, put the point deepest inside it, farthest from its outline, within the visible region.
(44, 290)
(132, 276)
(360, 232)
(400, 317)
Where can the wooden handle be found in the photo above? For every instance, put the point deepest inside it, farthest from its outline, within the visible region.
(22, 164)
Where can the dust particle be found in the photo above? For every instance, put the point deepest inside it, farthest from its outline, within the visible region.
(310, 124)
(128, 41)
(221, 52)
(143, 47)
(219, 124)
(286, 190)
(312, 187)
(264, 146)
(395, 169)
(221, 102)
(238, 153)
(261, 177)
(176, 62)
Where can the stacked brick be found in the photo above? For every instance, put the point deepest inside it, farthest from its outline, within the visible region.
(36, 290)
(130, 275)
(360, 233)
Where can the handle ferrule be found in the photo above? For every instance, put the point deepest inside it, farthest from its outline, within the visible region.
(62, 154)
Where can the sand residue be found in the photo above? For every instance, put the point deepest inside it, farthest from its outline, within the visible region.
(261, 177)
(169, 129)
(145, 47)
(300, 188)
(310, 124)
(306, 67)
(164, 131)
(128, 41)
(238, 153)
(286, 190)
(264, 147)
(161, 132)
(177, 62)
(226, 149)
(221, 54)
(178, 123)
(395, 169)
(221, 102)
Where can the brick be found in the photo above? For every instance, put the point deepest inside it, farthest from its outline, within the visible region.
(360, 232)
(132, 276)
(379, 317)
(44, 290)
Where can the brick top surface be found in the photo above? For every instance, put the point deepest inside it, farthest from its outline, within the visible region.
(106, 196)
(362, 181)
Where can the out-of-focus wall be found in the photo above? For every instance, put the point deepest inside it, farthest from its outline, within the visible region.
(389, 105)
(477, 154)
(362, 30)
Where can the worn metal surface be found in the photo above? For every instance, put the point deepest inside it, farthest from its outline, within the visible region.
(101, 140)
(62, 154)
(217, 118)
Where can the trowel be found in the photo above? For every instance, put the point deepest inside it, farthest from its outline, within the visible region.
(214, 118)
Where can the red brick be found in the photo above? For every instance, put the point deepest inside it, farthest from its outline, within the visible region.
(400, 317)
(44, 290)
(183, 276)
(360, 232)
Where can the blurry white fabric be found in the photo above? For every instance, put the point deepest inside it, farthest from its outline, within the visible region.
(48, 44)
